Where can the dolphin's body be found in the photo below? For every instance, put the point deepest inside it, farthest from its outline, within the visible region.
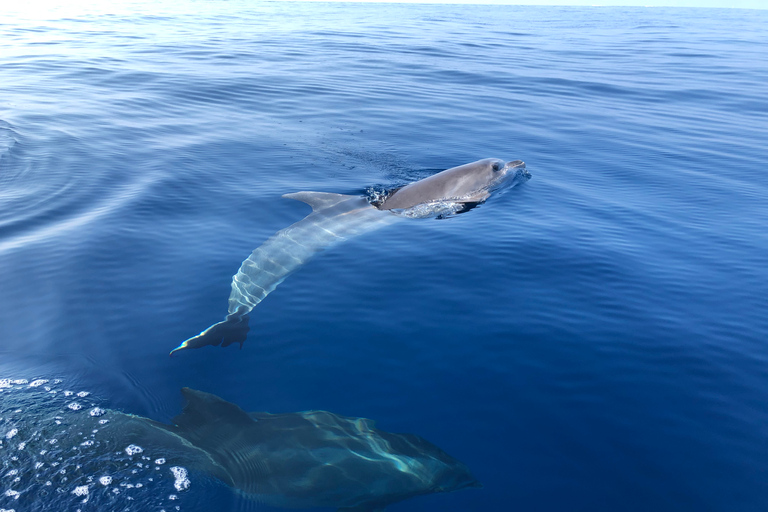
(298, 460)
(338, 217)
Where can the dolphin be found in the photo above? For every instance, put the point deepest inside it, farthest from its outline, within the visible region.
(297, 460)
(338, 217)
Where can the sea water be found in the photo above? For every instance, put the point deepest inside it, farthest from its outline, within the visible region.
(595, 339)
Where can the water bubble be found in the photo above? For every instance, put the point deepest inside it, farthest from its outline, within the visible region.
(182, 483)
(80, 490)
(133, 449)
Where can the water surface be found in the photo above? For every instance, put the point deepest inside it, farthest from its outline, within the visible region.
(593, 339)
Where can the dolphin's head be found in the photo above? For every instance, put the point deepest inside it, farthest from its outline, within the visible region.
(468, 183)
(503, 174)
(454, 477)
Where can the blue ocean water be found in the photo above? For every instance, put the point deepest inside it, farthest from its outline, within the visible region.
(594, 339)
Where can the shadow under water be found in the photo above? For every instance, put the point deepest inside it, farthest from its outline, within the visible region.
(59, 446)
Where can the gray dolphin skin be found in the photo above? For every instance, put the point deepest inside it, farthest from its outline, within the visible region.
(298, 460)
(338, 217)
(315, 458)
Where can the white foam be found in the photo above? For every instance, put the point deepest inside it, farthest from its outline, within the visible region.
(38, 382)
(12, 494)
(83, 394)
(75, 406)
(80, 490)
(133, 449)
(97, 411)
(161, 460)
(182, 483)
(105, 480)
(11, 433)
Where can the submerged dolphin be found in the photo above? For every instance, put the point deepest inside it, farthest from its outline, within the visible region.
(300, 460)
(337, 217)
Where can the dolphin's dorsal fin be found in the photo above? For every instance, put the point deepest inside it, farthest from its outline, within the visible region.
(318, 200)
(204, 411)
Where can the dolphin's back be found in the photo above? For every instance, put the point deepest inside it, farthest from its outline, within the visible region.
(315, 458)
(335, 218)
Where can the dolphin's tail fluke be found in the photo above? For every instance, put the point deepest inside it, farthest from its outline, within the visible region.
(234, 329)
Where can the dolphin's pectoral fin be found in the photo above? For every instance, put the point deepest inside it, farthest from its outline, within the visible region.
(232, 330)
(318, 200)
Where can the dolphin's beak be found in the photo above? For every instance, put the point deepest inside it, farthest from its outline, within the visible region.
(517, 167)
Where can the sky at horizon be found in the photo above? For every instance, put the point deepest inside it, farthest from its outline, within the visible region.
(734, 4)
(35, 5)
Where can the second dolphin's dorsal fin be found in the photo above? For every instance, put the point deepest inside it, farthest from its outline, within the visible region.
(319, 200)
(205, 413)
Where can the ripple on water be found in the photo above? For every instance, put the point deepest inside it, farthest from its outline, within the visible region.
(45, 192)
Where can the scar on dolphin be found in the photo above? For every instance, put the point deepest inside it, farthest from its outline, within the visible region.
(338, 217)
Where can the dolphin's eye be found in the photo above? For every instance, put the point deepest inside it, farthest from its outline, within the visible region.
(497, 166)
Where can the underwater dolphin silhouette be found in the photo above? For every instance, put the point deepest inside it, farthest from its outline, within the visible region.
(338, 217)
(298, 460)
